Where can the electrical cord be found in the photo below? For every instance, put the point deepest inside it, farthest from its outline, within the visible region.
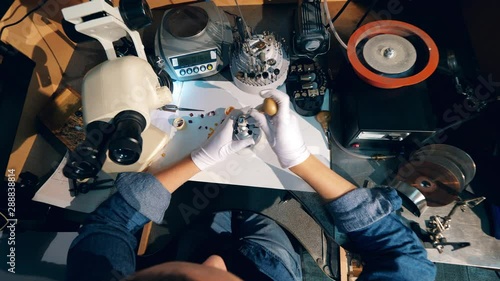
(339, 12)
(25, 16)
(243, 19)
(452, 125)
(231, 14)
(330, 23)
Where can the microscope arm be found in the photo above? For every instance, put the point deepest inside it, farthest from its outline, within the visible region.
(107, 29)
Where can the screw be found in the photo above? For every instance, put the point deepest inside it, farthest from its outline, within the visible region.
(389, 53)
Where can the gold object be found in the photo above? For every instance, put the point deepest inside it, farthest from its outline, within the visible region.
(269, 106)
(323, 117)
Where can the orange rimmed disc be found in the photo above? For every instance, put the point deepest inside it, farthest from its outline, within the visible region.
(396, 28)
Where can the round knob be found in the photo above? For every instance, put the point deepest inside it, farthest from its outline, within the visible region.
(269, 106)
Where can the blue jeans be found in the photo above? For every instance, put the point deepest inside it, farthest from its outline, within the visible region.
(258, 238)
(105, 248)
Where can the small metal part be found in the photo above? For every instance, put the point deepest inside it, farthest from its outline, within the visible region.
(271, 62)
(389, 52)
(173, 107)
(308, 77)
(257, 62)
(310, 86)
(309, 67)
(228, 110)
(259, 45)
(245, 127)
(83, 187)
(159, 62)
(412, 198)
(437, 225)
(179, 123)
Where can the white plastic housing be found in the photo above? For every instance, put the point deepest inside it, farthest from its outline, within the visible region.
(126, 83)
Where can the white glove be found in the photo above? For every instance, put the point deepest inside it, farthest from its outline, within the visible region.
(282, 131)
(220, 145)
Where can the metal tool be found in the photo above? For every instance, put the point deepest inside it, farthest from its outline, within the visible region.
(437, 225)
(92, 184)
(174, 108)
(245, 127)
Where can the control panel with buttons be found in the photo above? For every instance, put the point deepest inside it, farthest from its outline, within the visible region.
(195, 65)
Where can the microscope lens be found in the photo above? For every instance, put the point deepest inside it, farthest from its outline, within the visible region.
(125, 146)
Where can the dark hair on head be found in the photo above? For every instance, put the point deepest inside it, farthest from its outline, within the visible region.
(160, 277)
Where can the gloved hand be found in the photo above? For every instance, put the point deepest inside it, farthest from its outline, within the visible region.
(220, 145)
(282, 131)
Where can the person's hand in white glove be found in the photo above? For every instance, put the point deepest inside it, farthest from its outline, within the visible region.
(220, 145)
(282, 131)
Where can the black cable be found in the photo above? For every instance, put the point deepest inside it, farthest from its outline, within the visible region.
(231, 14)
(25, 16)
(374, 2)
(339, 12)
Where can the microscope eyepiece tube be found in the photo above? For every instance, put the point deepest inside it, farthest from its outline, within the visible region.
(125, 146)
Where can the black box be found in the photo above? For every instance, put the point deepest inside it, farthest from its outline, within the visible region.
(371, 121)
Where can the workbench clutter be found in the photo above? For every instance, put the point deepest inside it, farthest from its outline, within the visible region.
(263, 115)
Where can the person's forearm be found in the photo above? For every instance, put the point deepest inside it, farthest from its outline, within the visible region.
(328, 184)
(177, 174)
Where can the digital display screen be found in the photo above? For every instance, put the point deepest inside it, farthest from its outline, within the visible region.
(194, 59)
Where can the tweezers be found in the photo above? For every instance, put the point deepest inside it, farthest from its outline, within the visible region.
(173, 107)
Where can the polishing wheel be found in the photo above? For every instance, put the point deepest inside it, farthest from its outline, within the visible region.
(458, 156)
(391, 54)
(440, 172)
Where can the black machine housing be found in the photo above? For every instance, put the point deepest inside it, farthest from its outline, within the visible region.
(374, 121)
(310, 36)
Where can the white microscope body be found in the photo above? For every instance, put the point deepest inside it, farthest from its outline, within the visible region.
(117, 86)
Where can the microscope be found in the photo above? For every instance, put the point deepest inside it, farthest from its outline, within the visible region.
(118, 95)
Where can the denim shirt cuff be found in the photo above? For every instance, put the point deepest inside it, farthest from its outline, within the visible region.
(362, 207)
(145, 194)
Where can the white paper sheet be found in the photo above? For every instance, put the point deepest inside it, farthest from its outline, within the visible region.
(55, 191)
(259, 166)
(256, 167)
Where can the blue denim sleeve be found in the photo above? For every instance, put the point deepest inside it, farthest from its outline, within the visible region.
(105, 247)
(389, 249)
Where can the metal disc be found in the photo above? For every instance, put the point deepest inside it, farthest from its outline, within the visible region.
(458, 156)
(389, 54)
(187, 21)
(438, 179)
